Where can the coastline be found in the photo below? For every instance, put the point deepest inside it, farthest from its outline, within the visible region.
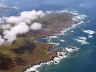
(60, 55)
(25, 29)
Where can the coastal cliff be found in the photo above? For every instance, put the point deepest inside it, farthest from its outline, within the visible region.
(24, 51)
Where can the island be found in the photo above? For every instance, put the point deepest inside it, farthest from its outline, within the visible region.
(25, 51)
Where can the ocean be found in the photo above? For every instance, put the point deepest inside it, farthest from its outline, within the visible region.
(85, 59)
(82, 61)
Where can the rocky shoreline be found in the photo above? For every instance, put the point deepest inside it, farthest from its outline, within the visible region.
(23, 51)
(60, 54)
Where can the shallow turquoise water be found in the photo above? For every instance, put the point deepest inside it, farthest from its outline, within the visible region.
(85, 59)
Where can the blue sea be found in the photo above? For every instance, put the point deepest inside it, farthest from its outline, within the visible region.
(85, 59)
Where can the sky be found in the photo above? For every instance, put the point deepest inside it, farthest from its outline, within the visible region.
(41, 3)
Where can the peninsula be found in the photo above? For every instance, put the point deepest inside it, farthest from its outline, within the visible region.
(24, 51)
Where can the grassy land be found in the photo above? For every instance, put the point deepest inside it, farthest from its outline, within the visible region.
(22, 53)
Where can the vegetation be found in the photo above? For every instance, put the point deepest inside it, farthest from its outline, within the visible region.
(25, 51)
(22, 53)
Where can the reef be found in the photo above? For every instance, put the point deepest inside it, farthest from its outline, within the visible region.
(25, 51)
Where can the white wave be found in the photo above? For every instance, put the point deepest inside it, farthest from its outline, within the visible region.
(26, 17)
(62, 55)
(62, 40)
(53, 43)
(72, 49)
(34, 68)
(75, 13)
(53, 36)
(11, 23)
(89, 31)
(56, 60)
(72, 31)
(21, 25)
(72, 27)
(83, 38)
(90, 36)
(49, 62)
(79, 17)
(57, 44)
(82, 41)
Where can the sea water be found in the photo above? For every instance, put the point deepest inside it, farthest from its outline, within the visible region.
(85, 59)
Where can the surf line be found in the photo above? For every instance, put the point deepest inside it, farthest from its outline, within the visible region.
(65, 52)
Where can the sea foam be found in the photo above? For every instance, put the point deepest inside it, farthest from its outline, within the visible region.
(66, 51)
(56, 60)
(89, 31)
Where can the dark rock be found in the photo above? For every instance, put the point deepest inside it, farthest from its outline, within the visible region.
(6, 62)
(27, 47)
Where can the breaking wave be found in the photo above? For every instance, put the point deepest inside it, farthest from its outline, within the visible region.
(14, 25)
(66, 51)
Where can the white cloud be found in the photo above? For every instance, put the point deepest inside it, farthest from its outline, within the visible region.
(87, 5)
(3, 5)
(1, 40)
(21, 23)
(36, 26)
(14, 19)
(10, 35)
(32, 14)
(29, 14)
(20, 28)
(26, 16)
(7, 26)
